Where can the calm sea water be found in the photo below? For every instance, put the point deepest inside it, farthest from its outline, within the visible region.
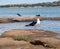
(43, 11)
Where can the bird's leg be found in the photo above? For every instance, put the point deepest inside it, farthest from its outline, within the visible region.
(35, 27)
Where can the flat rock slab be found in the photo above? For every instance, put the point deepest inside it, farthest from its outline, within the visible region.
(21, 19)
(16, 32)
(29, 32)
(25, 19)
(5, 20)
(10, 42)
(24, 47)
(46, 42)
(37, 39)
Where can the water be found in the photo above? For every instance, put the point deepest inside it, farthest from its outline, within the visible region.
(43, 11)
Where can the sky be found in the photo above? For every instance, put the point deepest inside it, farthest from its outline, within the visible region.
(3, 2)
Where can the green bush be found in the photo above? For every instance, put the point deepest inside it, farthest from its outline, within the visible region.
(21, 37)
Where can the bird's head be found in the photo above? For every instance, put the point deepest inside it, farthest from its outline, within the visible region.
(38, 16)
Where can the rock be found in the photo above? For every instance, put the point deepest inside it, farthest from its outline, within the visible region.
(25, 19)
(16, 32)
(5, 20)
(24, 47)
(10, 42)
(30, 32)
(34, 18)
(21, 19)
(47, 42)
(37, 39)
(6, 41)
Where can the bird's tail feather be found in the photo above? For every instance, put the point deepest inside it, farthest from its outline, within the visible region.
(26, 25)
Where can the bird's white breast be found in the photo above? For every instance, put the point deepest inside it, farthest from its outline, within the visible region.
(38, 22)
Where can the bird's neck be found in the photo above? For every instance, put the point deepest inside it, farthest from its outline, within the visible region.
(38, 21)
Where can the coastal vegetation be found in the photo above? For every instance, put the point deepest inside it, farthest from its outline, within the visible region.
(21, 37)
(47, 4)
(29, 39)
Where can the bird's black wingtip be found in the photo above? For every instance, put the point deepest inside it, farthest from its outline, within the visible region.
(26, 25)
(18, 14)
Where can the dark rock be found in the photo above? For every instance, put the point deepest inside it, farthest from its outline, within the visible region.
(46, 42)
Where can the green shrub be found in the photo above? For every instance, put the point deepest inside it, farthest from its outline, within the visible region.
(21, 37)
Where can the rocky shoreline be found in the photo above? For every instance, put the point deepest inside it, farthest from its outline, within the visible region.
(43, 4)
(29, 39)
(26, 19)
